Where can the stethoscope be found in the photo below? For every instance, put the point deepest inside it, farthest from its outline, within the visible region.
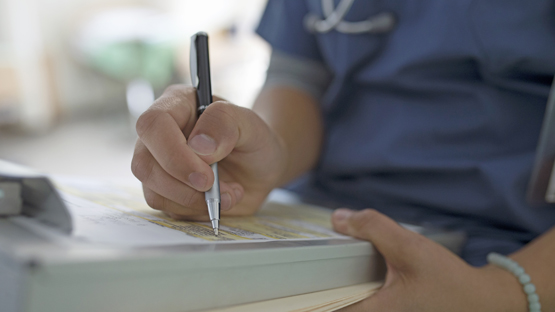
(333, 19)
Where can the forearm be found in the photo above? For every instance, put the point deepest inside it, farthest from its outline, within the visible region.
(295, 118)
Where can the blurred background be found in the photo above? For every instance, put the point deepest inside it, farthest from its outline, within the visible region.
(76, 74)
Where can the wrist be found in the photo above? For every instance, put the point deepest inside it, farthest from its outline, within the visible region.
(295, 120)
(292, 161)
(503, 291)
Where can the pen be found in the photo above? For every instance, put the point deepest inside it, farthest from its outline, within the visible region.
(200, 77)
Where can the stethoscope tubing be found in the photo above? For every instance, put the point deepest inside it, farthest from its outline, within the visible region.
(333, 20)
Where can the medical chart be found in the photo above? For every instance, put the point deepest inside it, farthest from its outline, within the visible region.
(116, 213)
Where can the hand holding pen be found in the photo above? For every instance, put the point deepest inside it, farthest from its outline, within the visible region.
(176, 148)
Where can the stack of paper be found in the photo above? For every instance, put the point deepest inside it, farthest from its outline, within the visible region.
(321, 301)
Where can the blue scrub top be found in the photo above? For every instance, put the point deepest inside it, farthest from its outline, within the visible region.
(436, 122)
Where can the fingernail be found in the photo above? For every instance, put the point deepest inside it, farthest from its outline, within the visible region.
(238, 194)
(226, 201)
(203, 144)
(198, 180)
(342, 214)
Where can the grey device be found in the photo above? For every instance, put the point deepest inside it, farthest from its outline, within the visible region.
(200, 77)
(45, 268)
(541, 188)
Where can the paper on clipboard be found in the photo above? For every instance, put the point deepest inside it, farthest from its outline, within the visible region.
(111, 213)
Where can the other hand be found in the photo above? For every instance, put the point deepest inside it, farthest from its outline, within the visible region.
(423, 275)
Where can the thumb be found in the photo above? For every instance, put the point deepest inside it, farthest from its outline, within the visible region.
(224, 127)
(394, 242)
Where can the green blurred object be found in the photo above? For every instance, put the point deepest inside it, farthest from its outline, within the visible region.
(130, 60)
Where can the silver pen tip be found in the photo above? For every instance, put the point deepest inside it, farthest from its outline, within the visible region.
(216, 226)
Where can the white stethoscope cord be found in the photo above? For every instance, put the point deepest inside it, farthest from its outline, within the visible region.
(381, 23)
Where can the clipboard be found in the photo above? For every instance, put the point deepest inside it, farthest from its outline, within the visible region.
(44, 267)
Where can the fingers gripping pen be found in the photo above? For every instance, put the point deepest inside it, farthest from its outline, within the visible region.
(200, 76)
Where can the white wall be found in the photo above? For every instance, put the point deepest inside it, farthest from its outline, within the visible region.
(56, 84)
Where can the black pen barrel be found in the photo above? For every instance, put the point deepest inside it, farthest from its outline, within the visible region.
(204, 89)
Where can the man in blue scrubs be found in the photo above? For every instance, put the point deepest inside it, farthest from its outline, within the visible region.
(431, 118)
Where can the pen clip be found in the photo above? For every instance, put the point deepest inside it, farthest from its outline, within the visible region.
(193, 66)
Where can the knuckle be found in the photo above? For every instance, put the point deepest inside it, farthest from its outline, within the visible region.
(178, 99)
(145, 121)
(178, 89)
(175, 95)
(142, 167)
